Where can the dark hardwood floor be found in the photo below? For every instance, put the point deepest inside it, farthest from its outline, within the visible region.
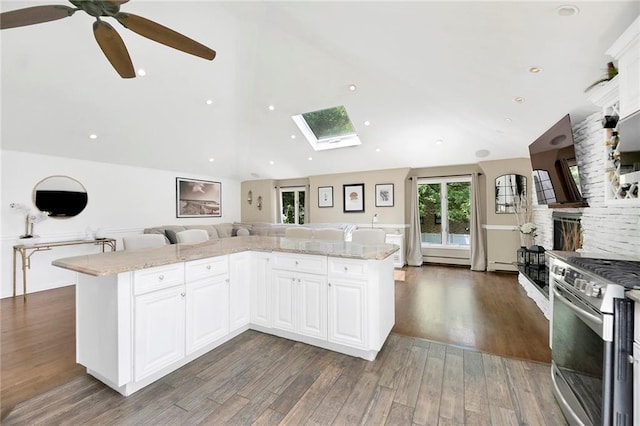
(484, 311)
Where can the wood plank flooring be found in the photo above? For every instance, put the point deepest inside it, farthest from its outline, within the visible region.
(487, 311)
(277, 381)
(412, 381)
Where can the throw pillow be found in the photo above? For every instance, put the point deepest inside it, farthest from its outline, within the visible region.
(171, 236)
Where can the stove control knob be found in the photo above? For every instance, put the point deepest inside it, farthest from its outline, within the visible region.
(580, 284)
(594, 290)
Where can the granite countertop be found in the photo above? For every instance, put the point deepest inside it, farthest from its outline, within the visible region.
(111, 263)
(633, 295)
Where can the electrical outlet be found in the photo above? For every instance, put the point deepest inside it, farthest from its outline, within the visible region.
(375, 218)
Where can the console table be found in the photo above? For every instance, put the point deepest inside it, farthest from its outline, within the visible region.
(27, 250)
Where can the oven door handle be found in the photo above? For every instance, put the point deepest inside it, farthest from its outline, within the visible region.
(580, 312)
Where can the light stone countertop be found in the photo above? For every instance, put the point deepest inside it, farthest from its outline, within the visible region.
(111, 263)
(633, 295)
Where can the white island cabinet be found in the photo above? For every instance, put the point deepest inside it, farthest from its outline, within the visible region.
(299, 298)
(140, 316)
(207, 282)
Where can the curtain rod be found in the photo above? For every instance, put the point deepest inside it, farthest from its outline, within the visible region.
(437, 177)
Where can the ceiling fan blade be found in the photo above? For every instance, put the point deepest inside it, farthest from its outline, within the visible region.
(114, 49)
(164, 35)
(34, 15)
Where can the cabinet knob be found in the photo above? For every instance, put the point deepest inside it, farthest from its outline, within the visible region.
(209, 267)
(161, 277)
(226, 280)
(296, 263)
(182, 294)
(298, 280)
(329, 284)
(346, 269)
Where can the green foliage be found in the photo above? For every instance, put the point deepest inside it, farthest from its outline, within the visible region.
(458, 197)
(328, 123)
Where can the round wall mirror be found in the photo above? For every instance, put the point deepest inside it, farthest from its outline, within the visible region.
(60, 196)
(510, 189)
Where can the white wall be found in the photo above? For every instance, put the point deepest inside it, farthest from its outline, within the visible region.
(122, 200)
(609, 228)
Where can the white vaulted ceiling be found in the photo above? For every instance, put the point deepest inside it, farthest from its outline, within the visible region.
(424, 71)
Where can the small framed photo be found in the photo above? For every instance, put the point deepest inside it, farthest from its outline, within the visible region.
(325, 196)
(384, 195)
(198, 198)
(353, 198)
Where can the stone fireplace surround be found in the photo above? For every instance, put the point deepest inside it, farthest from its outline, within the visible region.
(606, 228)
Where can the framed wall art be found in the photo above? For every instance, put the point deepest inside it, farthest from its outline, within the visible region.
(198, 198)
(353, 198)
(384, 195)
(325, 196)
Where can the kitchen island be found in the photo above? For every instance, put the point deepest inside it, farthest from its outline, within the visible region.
(141, 314)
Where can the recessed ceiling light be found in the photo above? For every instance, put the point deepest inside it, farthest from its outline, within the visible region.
(211, 160)
(141, 72)
(293, 136)
(310, 158)
(439, 141)
(568, 10)
(518, 99)
(352, 87)
(377, 149)
(272, 162)
(482, 153)
(209, 101)
(508, 120)
(271, 107)
(366, 123)
(535, 70)
(93, 136)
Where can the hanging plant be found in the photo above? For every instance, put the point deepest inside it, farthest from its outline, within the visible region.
(612, 71)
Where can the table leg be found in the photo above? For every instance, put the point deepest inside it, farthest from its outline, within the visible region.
(14, 272)
(24, 274)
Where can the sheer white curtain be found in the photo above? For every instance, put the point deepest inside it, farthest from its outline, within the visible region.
(414, 249)
(477, 240)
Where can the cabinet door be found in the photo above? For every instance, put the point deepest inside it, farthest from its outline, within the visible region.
(261, 289)
(159, 331)
(207, 311)
(347, 313)
(283, 286)
(312, 302)
(239, 290)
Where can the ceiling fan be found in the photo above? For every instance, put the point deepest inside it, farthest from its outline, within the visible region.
(108, 39)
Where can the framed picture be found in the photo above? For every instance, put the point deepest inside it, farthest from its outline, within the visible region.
(353, 197)
(325, 196)
(384, 195)
(198, 198)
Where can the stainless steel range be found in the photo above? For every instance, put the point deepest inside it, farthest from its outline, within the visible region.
(592, 338)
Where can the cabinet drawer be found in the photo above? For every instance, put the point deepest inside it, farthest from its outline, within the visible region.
(151, 279)
(347, 268)
(204, 268)
(301, 263)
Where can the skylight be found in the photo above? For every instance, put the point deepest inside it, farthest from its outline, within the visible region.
(328, 128)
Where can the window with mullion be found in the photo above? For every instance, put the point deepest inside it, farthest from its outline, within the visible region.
(448, 198)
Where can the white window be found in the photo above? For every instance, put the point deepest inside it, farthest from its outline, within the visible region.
(445, 211)
(292, 202)
(329, 128)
